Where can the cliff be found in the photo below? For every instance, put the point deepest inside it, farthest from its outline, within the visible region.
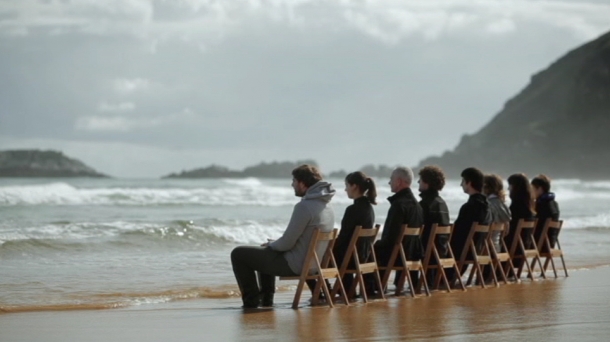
(36, 163)
(558, 124)
(262, 170)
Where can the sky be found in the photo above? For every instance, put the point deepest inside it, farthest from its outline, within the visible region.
(141, 88)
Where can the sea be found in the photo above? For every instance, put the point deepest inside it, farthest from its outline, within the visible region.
(112, 243)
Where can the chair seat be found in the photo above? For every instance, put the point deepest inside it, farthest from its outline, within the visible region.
(446, 263)
(530, 253)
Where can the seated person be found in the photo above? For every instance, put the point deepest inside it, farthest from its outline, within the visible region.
(521, 207)
(404, 209)
(475, 210)
(285, 256)
(435, 211)
(546, 208)
(493, 188)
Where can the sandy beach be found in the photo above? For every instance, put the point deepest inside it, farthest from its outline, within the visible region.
(566, 309)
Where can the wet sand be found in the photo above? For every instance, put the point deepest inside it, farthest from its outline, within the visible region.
(566, 309)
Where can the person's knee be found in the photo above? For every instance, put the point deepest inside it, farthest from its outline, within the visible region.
(236, 253)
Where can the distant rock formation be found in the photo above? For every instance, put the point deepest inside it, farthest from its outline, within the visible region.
(558, 125)
(36, 163)
(262, 170)
(379, 171)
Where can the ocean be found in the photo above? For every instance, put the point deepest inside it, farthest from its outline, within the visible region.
(109, 243)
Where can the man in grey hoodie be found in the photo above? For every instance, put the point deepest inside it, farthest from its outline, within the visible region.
(286, 255)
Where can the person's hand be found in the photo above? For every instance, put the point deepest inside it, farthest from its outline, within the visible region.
(267, 243)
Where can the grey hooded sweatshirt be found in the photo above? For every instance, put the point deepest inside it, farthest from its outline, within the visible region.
(312, 211)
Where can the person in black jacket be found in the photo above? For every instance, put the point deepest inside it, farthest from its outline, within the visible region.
(475, 210)
(435, 211)
(362, 190)
(546, 207)
(404, 209)
(521, 207)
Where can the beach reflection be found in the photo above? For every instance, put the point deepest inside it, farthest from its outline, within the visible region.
(477, 312)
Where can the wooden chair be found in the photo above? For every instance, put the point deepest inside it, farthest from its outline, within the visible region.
(546, 250)
(478, 256)
(405, 266)
(441, 262)
(324, 269)
(519, 251)
(367, 236)
(501, 255)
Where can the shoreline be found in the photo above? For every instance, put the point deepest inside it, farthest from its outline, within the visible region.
(576, 307)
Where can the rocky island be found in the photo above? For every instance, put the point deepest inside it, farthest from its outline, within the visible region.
(37, 163)
(262, 170)
(557, 125)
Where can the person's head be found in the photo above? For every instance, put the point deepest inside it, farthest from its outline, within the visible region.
(472, 180)
(493, 185)
(520, 190)
(357, 184)
(401, 178)
(303, 177)
(431, 178)
(541, 185)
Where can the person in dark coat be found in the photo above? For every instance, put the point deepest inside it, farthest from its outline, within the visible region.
(475, 210)
(521, 207)
(362, 190)
(404, 209)
(435, 211)
(546, 208)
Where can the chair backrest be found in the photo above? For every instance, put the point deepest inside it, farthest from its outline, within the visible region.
(367, 234)
(476, 228)
(498, 230)
(434, 232)
(316, 261)
(521, 225)
(548, 225)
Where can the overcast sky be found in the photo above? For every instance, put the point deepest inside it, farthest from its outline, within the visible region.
(139, 88)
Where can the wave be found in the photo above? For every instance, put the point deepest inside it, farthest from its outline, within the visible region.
(242, 192)
(116, 300)
(76, 236)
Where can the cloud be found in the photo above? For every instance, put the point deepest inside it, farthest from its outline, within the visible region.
(389, 21)
(103, 123)
(118, 107)
(117, 123)
(127, 86)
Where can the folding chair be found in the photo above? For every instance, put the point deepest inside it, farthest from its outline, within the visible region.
(501, 255)
(366, 236)
(327, 269)
(519, 251)
(548, 251)
(476, 255)
(444, 262)
(405, 265)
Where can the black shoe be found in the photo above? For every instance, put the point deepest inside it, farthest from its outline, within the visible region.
(267, 300)
(251, 302)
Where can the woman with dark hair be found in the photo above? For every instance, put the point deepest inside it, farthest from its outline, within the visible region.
(362, 190)
(521, 207)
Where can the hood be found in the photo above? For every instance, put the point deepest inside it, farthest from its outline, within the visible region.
(322, 191)
(549, 196)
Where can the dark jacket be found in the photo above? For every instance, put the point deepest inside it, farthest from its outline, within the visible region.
(546, 208)
(404, 209)
(475, 210)
(435, 210)
(519, 210)
(360, 213)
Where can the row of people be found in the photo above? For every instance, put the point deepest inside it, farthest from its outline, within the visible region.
(285, 256)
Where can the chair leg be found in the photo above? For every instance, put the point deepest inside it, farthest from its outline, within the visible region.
(458, 275)
(401, 283)
(480, 274)
(552, 265)
(329, 300)
(297, 295)
(360, 280)
(410, 281)
(470, 276)
(379, 285)
(425, 282)
(565, 269)
(542, 273)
